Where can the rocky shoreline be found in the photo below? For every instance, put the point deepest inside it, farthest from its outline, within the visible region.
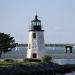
(37, 69)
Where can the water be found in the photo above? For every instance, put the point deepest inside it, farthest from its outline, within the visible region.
(20, 53)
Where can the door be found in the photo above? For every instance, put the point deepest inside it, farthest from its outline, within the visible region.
(34, 55)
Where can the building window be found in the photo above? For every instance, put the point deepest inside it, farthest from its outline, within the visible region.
(34, 55)
(34, 35)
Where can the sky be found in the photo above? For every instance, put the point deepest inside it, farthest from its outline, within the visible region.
(57, 17)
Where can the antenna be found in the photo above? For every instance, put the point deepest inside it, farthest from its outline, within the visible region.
(36, 16)
(36, 13)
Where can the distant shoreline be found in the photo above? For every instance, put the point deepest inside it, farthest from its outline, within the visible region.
(47, 45)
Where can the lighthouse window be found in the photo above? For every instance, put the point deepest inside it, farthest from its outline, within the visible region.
(34, 35)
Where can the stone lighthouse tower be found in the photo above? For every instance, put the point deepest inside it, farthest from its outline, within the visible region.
(36, 47)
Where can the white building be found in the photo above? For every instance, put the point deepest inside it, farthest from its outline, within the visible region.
(36, 47)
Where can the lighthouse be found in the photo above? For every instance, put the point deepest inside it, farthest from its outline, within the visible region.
(36, 46)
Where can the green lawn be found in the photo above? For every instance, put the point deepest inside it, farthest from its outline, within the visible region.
(10, 63)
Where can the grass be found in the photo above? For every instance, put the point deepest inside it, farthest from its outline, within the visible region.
(37, 67)
(12, 63)
(7, 64)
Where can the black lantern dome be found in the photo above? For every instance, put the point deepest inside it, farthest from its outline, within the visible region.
(36, 24)
(36, 21)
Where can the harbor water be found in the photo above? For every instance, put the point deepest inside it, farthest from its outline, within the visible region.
(19, 53)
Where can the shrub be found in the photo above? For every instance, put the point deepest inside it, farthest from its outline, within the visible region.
(32, 60)
(46, 59)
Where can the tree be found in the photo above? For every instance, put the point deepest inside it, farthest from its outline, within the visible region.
(46, 59)
(6, 43)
